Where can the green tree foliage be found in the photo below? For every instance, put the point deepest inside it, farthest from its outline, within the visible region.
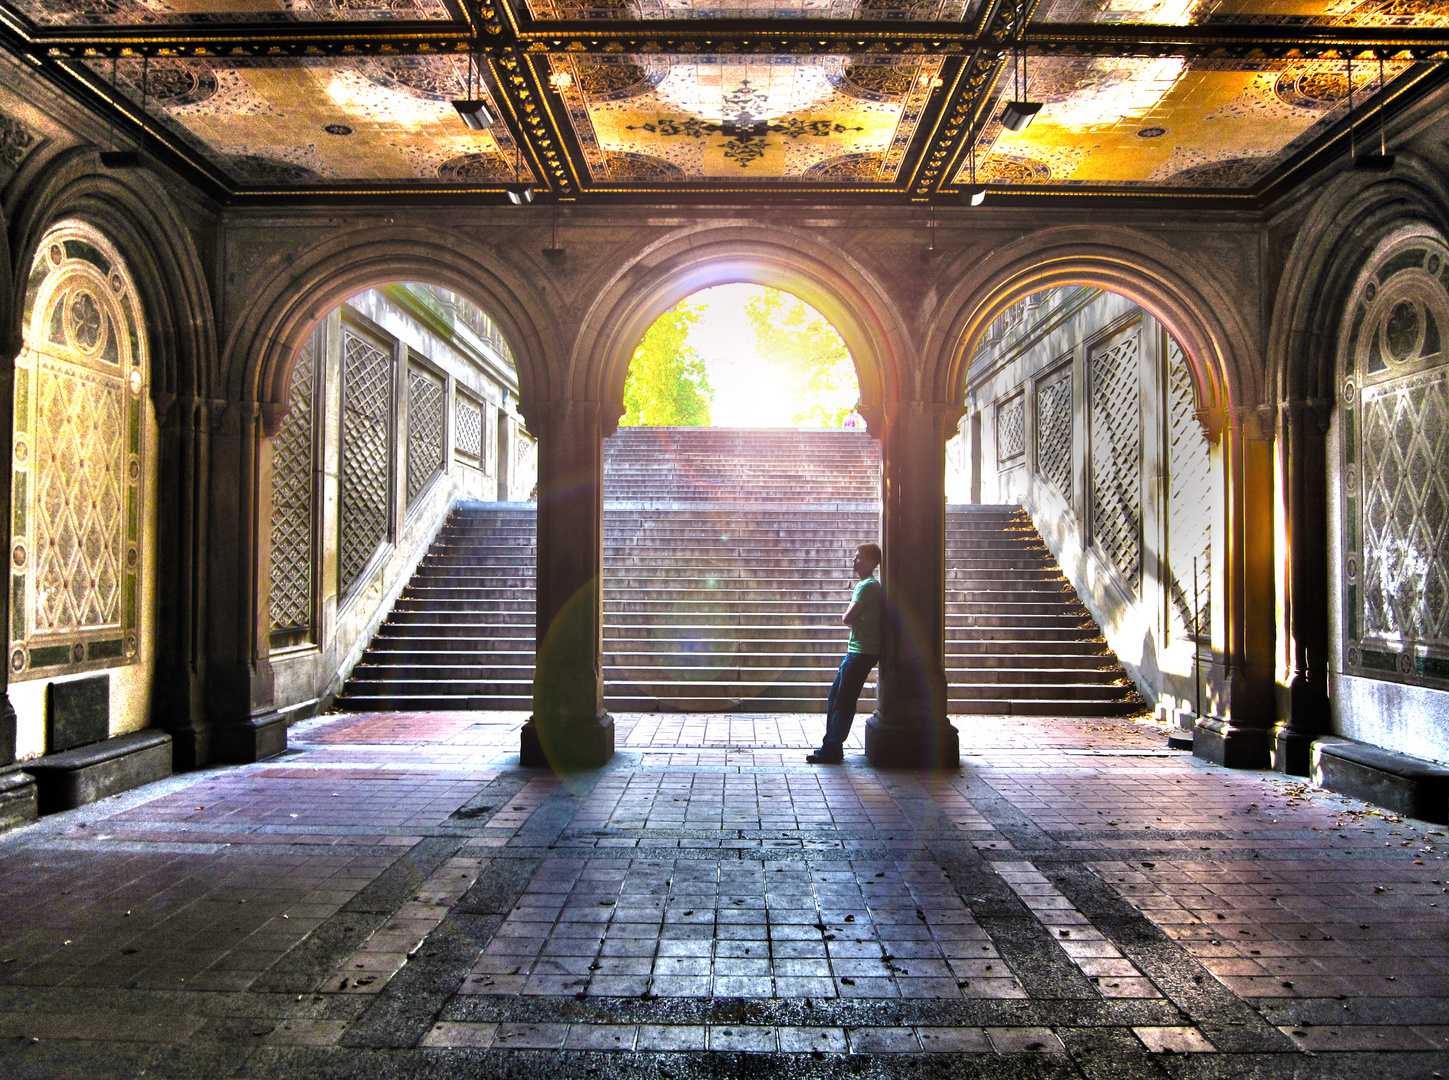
(790, 332)
(667, 384)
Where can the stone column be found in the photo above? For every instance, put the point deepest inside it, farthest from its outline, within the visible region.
(1303, 507)
(243, 720)
(178, 705)
(569, 729)
(8, 721)
(910, 728)
(1240, 735)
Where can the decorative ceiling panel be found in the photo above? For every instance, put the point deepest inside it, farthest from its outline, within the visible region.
(1134, 123)
(269, 123)
(1255, 12)
(183, 12)
(646, 120)
(913, 10)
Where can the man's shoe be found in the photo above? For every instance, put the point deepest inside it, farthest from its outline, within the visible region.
(820, 757)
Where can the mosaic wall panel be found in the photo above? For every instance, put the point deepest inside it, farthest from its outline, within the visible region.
(1116, 452)
(1054, 432)
(1189, 499)
(1394, 413)
(293, 541)
(1011, 428)
(367, 418)
(78, 461)
(468, 429)
(427, 403)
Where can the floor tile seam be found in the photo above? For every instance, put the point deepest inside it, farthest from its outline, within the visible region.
(1065, 925)
(1181, 976)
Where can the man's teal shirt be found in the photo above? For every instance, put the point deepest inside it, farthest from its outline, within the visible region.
(865, 634)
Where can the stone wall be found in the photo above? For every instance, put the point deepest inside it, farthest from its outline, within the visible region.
(402, 401)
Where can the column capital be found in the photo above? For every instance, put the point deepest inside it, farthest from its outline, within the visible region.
(942, 417)
(1253, 421)
(1317, 412)
(539, 414)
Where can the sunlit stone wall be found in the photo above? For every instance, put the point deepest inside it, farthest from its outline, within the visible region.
(1082, 409)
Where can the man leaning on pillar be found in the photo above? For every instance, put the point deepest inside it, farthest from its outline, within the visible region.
(863, 618)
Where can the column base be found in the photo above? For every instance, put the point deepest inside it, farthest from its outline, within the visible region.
(255, 739)
(1292, 751)
(1225, 743)
(567, 748)
(893, 746)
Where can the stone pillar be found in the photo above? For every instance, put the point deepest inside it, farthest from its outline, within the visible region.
(1303, 508)
(243, 720)
(8, 722)
(569, 729)
(910, 728)
(1241, 735)
(178, 705)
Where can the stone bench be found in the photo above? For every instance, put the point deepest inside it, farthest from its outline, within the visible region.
(87, 773)
(1410, 786)
(17, 799)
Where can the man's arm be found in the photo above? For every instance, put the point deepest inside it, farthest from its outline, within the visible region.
(852, 615)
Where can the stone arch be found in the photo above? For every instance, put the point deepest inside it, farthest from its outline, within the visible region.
(828, 279)
(1197, 307)
(297, 288)
(1352, 214)
(146, 226)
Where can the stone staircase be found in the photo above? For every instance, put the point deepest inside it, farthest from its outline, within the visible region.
(726, 568)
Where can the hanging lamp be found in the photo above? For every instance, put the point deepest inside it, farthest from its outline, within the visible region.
(125, 159)
(473, 109)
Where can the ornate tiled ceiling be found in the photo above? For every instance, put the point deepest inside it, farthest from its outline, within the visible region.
(646, 99)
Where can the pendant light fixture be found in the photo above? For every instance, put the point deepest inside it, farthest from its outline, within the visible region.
(975, 194)
(124, 159)
(1019, 112)
(519, 192)
(1383, 161)
(473, 109)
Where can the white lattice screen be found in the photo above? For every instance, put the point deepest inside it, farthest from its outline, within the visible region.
(292, 501)
(427, 400)
(1011, 428)
(468, 428)
(1116, 445)
(367, 393)
(1054, 432)
(1189, 500)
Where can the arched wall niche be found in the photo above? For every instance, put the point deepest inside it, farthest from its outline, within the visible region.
(299, 287)
(146, 226)
(1197, 310)
(679, 266)
(1391, 426)
(1348, 219)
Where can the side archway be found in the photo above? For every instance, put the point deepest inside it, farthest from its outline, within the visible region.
(291, 291)
(1198, 308)
(1212, 316)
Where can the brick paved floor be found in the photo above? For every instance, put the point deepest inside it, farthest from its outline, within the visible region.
(395, 897)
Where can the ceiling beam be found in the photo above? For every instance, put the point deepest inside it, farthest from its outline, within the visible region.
(794, 37)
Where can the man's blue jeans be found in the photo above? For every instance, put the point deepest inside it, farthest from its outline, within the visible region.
(844, 697)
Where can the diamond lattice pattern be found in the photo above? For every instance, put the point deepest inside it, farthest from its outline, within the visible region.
(469, 435)
(292, 501)
(1054, 433)
(1406, 511)
(426, 403)
(1116, 444)
(1189, 499)
(80, 464)
(366, 424)
(1011, 428)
